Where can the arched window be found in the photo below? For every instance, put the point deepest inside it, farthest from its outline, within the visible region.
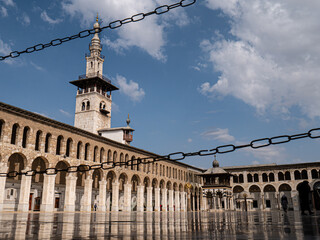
(91, 64)
(58, 147)
(68, 147)
(126, 159)
(297, 175)
(95, 150)
(287, 176)
(102, 157)
(14, 133)
(109, 160)
(280, 176)
(256, 177)
(25, 136)
(79, 148)
(271, 177)
(115, 156)
(47, 143)
(241, 178)
(1, 127)
(314, 174)
(249, 176)
(264, 177)
(83, 106)
(132, 161)
(304, 174)
(86, 151)
(235, 179)
(37, 143)
(88, 105)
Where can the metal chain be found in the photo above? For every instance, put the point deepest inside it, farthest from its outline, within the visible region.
(112, 25)
(176, 156)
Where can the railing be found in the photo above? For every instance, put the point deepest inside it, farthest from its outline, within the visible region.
(89, 55)
(84, 76)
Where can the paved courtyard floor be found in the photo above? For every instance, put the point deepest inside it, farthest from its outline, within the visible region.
(193, 225)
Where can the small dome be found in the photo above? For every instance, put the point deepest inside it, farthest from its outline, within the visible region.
(215, 163)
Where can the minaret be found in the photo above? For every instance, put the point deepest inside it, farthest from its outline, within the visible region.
(93, 100)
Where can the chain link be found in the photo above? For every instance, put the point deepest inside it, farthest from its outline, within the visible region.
(176, 156)
(112, 25)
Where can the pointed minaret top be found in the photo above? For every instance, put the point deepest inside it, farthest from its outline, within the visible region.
(128, 120)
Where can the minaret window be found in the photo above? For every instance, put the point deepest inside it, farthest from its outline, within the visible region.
(83, 106)
(88, 105)
(91, 64)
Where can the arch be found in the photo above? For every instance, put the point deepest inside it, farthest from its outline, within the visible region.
(47, 143)
(126, 159)
(39, 164)
(102, 156)
(180, 187)
(88, 105)
(96, 177)
(237, 189)
(235, 178)
(280, 176)
(297, 175)
(38, 140)
(249, 177)
(102, 105)
(271, 177)
(83, 106)
(254, 188)
(264, 177)
(95, 152)
(25, 136)
(68, 146)
(16, 162)
(132, 162)
(115, 155)
(14, 133)
(256, 177)
(284, 187)
(175, 186)
(240, 178)
(162, 184)
(287, 175)
(135, 181)
(124, 178)
(111, 178)
(81, 177)
(79, 150)
(169, 185)
(59, 144)
(86, 151)
(109, 160)
(146, 182)
(314, 174)
(122, 159)
(269, 188)
(304, 174)
(61, 176)
(154, 183)
(1, 127)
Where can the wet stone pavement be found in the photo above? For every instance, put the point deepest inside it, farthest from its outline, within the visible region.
(192, 225)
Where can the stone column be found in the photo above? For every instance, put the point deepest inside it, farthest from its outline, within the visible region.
(183, 201)
(295, 200)
(149, 199)
(87, 195)
(48, 193)
(70, 194)
(140, 198)
(171, 208)
(102, 196)
(127, 197)
(157, 199)
(225, 203)
(231, 203)
(177, 201)
(188, 202)
(3, 169)
(24, 195)
(164, 199)
(262, 202)
(115, 196)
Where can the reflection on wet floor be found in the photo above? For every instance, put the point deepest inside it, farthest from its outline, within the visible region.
(194, 225)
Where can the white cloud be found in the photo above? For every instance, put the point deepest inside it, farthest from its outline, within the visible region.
(273, 63)
(147, 35)
(36, 66)
(44, 16)
(5, 49)
(131, 89)
(3, 11)
(67, 114)
(270, 154)
(189, 140)
(24, 19)
(8, 2)
(219, 134)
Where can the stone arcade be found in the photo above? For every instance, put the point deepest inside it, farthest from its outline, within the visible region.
(29, 141)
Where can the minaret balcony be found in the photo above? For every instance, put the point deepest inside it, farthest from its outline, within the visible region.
(90, 75)
(89, 55)
(127, 137)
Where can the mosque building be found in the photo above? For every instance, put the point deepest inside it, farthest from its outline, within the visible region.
(29, 141)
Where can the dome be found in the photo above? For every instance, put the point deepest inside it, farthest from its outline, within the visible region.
(215, 163)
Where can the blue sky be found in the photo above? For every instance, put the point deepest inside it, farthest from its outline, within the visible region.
(215, 73)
